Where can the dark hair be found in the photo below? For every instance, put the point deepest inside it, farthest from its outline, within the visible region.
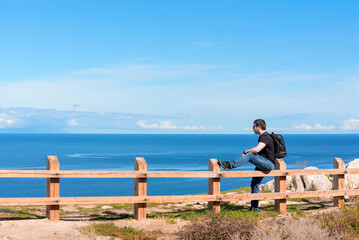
(261, 123)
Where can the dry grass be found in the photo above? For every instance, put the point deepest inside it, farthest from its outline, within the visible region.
(340, 223)
(344, 221)
(221, 228)
(217, 227)
(111, 230)
(291, 229)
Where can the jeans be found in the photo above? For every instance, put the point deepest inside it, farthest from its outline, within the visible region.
(261, 163)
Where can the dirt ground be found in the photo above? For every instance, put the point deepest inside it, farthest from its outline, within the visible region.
(68, 230)
(30, 222)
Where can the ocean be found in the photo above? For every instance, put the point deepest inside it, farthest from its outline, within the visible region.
(166, 152)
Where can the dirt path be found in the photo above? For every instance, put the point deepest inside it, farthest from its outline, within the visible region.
(68, 230)
(41, 229)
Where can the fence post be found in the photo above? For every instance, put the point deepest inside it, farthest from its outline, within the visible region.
(338, 182)
(214, 186)
(280, 185)
(140, 189)
(53, 189)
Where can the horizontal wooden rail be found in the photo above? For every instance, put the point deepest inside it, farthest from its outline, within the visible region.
(168, 174)
(178, 198)
(103, 200)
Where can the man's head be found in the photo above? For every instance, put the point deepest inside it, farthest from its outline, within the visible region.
(259, 126)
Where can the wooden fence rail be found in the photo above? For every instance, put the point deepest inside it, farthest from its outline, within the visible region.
(140, 174)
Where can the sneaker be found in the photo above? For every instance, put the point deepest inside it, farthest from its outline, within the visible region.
(256, 210)
(225, 165)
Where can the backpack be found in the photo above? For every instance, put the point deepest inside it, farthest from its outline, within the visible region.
(279, 145)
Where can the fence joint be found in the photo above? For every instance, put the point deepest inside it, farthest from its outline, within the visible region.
(140, 189)
(53, 189)
(214, 185)
(338, 181)
(280, 184)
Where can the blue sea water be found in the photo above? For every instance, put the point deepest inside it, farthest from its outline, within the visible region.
(162, 152)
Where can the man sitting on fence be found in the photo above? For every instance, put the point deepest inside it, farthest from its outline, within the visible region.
(262, 156)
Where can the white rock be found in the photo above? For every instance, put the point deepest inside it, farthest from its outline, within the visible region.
(352, 180)
(268, 186)
(316, 182)
(106, 207)
(307, 180)
(295, 184)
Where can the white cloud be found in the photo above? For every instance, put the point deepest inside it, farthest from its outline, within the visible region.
(143, 124)
(72, 122)
(33, 120)
(7, 120)
(167, 124)
(5, 123)
(189, 127)
(316, 126)
(303, 127)
(277, 129)
(350, 124)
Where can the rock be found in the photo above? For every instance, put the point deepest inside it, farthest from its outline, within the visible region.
(316, 182)
(307, 180)
(268, 186)
(295, 184)
(106, 207)
(352, 180)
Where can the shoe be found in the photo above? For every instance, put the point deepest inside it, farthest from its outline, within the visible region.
(256, 210)
(225, 165)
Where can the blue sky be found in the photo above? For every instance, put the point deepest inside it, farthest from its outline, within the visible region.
(179, 66)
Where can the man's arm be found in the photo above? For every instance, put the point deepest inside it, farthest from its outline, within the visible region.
(256, 149)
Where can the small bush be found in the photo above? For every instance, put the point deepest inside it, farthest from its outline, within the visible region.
(110, 229)
(217, 227)
(291, 229)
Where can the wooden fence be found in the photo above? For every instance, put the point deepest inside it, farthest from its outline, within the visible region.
(140, 198)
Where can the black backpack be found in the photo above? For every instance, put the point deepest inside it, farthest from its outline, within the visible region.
(279, 145)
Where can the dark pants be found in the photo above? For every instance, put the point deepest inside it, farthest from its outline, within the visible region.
(261, 163)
